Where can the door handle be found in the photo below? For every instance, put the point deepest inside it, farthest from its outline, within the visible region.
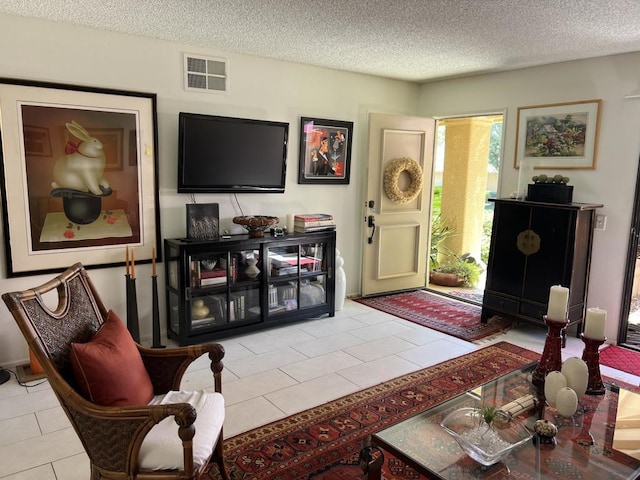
(371, 223)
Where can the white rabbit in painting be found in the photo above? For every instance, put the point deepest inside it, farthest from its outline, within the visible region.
(82, 166)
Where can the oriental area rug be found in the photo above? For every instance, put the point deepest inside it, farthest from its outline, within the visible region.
(455, 318)
(620, 358)
(324, 442)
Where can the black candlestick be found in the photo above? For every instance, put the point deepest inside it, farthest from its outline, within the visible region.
(132, 308)
(155, 313)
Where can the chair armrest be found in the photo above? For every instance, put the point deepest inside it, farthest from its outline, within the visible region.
(167, 366)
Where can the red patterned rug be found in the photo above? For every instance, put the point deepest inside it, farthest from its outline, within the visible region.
(449, 316)
(620, 358)
(324, 442)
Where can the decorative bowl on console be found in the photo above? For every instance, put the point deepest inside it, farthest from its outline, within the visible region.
(256, 224)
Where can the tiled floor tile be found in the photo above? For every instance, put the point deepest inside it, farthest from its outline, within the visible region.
(253, 413)
(254, 386)
(52, 419)
(262, 363)
(320, 366)
(312, 393)
(434, 352)
(76, 467)
(378, 371)
(381, 330)
(325, 345)
(43, 472)
(379, 348)
(18, 428)
(33, 452)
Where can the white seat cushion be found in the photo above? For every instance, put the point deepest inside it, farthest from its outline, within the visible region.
(162, 447)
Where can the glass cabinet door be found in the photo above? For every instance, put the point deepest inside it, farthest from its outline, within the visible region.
(224, 289)
(297, 277)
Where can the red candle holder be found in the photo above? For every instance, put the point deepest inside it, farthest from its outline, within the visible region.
(551, 358)
(591, 356)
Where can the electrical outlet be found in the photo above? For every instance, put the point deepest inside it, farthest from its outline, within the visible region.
(601, 222)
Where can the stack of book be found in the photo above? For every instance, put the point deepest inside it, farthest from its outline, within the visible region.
(313, 222)
(203, 278)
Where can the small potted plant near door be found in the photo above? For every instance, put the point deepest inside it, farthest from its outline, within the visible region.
(456, 272)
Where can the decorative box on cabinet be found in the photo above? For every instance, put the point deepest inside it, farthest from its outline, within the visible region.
(229, 286)
(535, 245)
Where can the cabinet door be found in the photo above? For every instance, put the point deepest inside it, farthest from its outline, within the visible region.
(223, 290)
(507, 263)
(297, 277)
(551, 265)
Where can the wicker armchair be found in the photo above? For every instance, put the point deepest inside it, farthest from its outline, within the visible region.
(112, 436)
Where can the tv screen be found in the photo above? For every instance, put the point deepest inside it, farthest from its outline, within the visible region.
(231, 155)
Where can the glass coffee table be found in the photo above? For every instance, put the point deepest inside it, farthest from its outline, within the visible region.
(589, 445)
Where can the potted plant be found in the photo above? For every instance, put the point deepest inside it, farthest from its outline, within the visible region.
(440, 231)
(456, 272)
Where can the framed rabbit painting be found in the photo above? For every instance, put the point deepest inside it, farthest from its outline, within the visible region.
(79, 176)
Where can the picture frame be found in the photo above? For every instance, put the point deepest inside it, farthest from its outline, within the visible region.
(325, 151)
(203, 221)
(64, 198)
(559, 135)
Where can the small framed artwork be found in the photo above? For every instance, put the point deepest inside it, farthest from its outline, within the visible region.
(559, 135)
(203, 221)
(325, 151)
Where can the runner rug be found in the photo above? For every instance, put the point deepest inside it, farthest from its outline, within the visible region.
(324, 442)
(620, 358)
(449, 316)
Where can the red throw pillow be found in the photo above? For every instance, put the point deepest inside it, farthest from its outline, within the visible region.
(109, 369)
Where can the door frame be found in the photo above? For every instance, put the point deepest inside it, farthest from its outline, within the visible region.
(632, 254)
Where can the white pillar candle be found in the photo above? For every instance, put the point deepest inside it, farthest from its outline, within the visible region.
(558, 300)
(577, 373)
(566, 402)
(594, 323)
(553, 382)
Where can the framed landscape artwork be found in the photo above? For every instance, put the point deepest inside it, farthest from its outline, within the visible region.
(559, 135)
(79, 171)
(325, 151)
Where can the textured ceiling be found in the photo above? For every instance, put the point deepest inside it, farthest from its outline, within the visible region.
(416, 40)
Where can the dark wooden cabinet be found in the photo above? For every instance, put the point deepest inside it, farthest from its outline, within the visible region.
(229, 286)
(536, 245)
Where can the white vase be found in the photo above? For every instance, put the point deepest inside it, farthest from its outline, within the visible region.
(577, 373)
(566, 402)
(252, 271)
(553, 382)
(341, 282)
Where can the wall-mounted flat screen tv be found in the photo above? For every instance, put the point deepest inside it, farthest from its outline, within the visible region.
(231, 155)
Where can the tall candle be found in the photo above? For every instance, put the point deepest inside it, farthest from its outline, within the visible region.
(133, 266)
(594, 323)
(153, 262)
(558, 300)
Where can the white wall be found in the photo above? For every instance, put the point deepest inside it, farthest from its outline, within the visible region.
(259, 88)
(612, 183)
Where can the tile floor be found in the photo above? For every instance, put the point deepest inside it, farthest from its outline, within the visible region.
(268, 375)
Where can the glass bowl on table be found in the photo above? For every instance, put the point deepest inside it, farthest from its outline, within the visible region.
(487, 444)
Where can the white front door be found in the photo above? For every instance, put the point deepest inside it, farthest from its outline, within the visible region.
(396, 238)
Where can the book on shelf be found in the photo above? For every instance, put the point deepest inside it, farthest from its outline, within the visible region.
(238, 308)
(207, 282)
(312, 217)
(280, 271)
(314, 223)
(322, 228)
(218, 307)
(214, 273)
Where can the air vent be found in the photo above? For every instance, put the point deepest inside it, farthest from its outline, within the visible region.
(205, 73)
